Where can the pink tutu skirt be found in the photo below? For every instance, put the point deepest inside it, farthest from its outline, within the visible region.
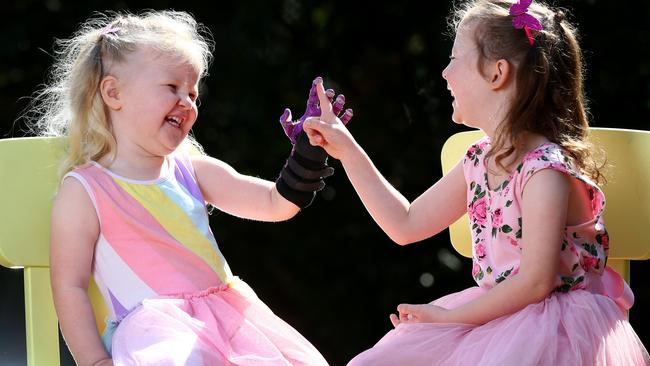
(566, 329)
(220, 326)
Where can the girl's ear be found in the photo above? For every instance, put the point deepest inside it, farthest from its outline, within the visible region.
(109, 87)
(500, 74)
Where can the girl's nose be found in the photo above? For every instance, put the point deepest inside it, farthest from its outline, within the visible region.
(444, 73)
(185, 101)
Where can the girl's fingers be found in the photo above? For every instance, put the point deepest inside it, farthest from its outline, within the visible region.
(311, 123)
(314, 123)
(316, 140)
(394, 319)
(407, 313)
(324, 101)
(312, 127)
(404, 308)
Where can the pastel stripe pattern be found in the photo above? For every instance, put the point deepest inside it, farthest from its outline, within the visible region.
(149, 228)
(172, 216)
(171, 296)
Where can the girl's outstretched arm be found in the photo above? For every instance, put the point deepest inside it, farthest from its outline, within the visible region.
(240, 195)
(543, 220)
(75, 229)
(404, 222)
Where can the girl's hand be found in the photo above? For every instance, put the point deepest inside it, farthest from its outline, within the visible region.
(293, 128)
(422, 313)
(328, 131)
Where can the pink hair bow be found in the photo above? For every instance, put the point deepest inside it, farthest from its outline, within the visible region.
(521, 19)
(109, 29)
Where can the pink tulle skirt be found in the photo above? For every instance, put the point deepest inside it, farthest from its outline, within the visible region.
(574, 328)
(220, 326)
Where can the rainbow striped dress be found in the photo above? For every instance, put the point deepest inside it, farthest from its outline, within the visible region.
(171, 295)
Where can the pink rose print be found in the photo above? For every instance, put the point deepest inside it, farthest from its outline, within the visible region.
(480, 251)
(604, 240)
(497, 218)
(475, 269)
(471, 151)
(478, 211)
(588, 262)
(536, 154)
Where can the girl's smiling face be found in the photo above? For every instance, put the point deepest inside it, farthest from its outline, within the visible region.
(157, 94)
(469, 88)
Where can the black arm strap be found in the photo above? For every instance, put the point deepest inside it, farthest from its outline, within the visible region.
(302, 175)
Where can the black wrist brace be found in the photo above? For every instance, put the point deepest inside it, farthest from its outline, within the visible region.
(303, 173)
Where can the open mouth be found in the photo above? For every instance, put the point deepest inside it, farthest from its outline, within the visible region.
(174, 121)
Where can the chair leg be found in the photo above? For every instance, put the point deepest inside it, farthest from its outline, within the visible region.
(40, 318)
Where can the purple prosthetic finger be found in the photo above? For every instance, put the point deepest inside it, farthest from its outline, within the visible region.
(293, 128)
(338, 104)
(288, 125)
(347, 116)
(313, 108)
(312, 102)
(330, 94)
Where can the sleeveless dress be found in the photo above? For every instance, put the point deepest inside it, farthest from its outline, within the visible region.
(582, 322)
(171, 295)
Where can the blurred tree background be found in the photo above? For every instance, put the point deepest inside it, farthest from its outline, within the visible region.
(330, 271)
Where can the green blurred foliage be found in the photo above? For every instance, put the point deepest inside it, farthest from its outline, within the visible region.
(330, 271)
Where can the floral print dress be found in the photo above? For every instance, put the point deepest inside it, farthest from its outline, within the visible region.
(495, 219)
(582, 322)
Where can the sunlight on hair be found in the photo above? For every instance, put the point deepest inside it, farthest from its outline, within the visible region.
(70, 103)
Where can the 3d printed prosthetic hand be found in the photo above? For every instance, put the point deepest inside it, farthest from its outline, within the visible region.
(302, 175)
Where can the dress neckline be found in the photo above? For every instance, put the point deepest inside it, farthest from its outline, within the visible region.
(504, 183)
(167, 171)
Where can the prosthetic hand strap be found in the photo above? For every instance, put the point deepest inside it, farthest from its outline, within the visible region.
(302, 175)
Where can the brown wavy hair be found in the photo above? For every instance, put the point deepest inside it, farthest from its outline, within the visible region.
(549, 75)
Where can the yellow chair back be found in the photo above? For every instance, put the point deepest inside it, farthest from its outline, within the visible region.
(627, 210)
(28, 183)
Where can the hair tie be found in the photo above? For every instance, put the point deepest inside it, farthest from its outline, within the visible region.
(522, 20)
(110, 29)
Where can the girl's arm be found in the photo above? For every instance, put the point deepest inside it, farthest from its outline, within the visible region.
(75, 229)
(404, 222)
(240, 195)
(544, 220)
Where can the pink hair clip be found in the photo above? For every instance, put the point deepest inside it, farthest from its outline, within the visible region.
(521, 19)
(109, 29)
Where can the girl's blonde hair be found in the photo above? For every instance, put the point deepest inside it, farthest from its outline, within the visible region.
(550, 99)
(70, 103)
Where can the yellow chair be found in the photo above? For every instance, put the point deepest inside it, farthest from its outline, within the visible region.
(28, 182)
(627, 209)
